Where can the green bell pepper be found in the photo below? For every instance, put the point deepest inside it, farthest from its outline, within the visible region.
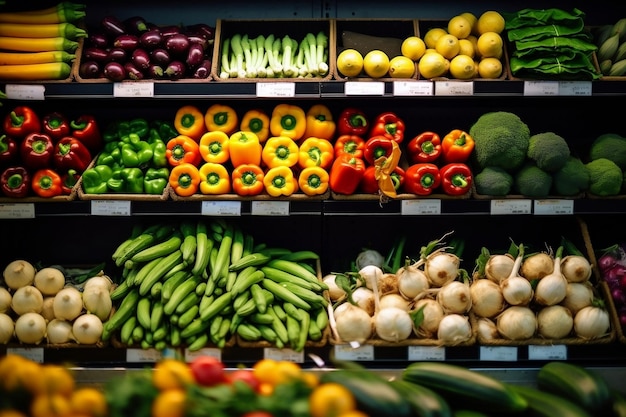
(109, 154)
(136, 152)
(138, 126)
(166, 130)
(155, 180)
(116, 182)
(133, 180)
(95, 179)
(159, 150)
(111, 132)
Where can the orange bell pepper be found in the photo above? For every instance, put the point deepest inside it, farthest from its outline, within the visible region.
(214, 179)
(351, 144)
(221, 117)
(247, 179)
(214, 147)
(316, 152)
(189, 121)
(184, 179)
(182, 149)
(457, 146)
(244, 148)
(319, 122)
(288, 120)
(280, 151)
(280, 181)
(313, 181)
(257, 122)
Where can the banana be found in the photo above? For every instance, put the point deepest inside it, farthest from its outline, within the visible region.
(618, 68)
(608, 48)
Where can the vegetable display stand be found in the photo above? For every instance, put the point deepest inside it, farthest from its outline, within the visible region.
(247, 60)
(365, 35)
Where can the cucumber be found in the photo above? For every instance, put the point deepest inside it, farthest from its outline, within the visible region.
(465, 387)
(424, 401)
(577, 384)
(544, 404)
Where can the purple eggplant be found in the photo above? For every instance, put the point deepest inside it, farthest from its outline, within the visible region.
(206, 31)
(170, 30)
(177, 44)
(97, 40)
(155, 71)
(175, 70)
(113, 26)
(195, 55)
(89, 69)
(151, 39)
(203, 70)
(133, 72)
(127, 42)
(140, 58)
(160, 56)
(96, 54)
(195, 38)
(115, 71)
(136, 24)
(117, 55)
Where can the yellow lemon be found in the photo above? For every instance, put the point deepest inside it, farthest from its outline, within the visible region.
(376, 63)
(462, 67)
(466, 47)
(431, 36)
(448, 46)
(490, 21)
(471, 17)
(432, 65)
(489, 44)
(401, 67)
(490, 68)
(460, 27)
(413, 47)
(350, 62)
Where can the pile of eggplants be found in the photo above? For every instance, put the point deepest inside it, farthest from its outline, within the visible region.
(136, 49)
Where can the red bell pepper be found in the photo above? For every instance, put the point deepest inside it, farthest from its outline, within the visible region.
(422, 179)
(388, 124)
(369, 183)
(376, 147)
(85, 128)
(68, 181)
(47, 183)
(9, 150)
(15, 182)
(456, 178)
(352, 121)
(425, 147)
(397, 177)
(21, 121)
(36, 150)
(457, 146)
(70, 153)
(346, 174)
(55, 125)
(350, 144)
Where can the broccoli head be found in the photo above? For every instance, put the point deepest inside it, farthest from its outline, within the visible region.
(493, 181)
(610, 146)
(548, 150)
(571, 179)
(500, 140)
(605, 177)
(532, 181)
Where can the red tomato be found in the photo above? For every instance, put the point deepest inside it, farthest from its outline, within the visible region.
(247, 376)
(208, 370)
(257, 414)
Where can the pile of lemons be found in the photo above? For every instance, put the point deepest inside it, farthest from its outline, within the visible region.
(375, 64)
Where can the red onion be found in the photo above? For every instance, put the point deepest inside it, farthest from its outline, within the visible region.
(618, 296)
(606, 262)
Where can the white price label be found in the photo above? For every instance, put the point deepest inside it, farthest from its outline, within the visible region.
(133, 89)
(512, 206)
(427, 353)
(365, 88)
(454, 88)
(349, 353)
(499, 353)
(17, 211)
(221, 208)
(270, 208)
(548, 352)
(286, 89)
(143, 355)
(412, 88)
(285, 354)
(25, 92)
(34, 354)
(212, 352)
(549, 207)
(541, 88)
(422, 206)
(110, 208)
(575, 88)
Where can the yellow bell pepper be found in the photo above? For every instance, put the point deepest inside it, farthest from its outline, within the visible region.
(280, 181)
(214, 179)
(280, 151)
(214, 147)
(257, 122)
(221, 117)
(313, 181)
(319, 122)
(288, 120)
(244, 148)
(316, 152)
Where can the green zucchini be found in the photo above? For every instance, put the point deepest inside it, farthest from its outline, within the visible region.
(424, 401)
(464, 386)
(468, 413)
(544, 404)
(579, 385)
